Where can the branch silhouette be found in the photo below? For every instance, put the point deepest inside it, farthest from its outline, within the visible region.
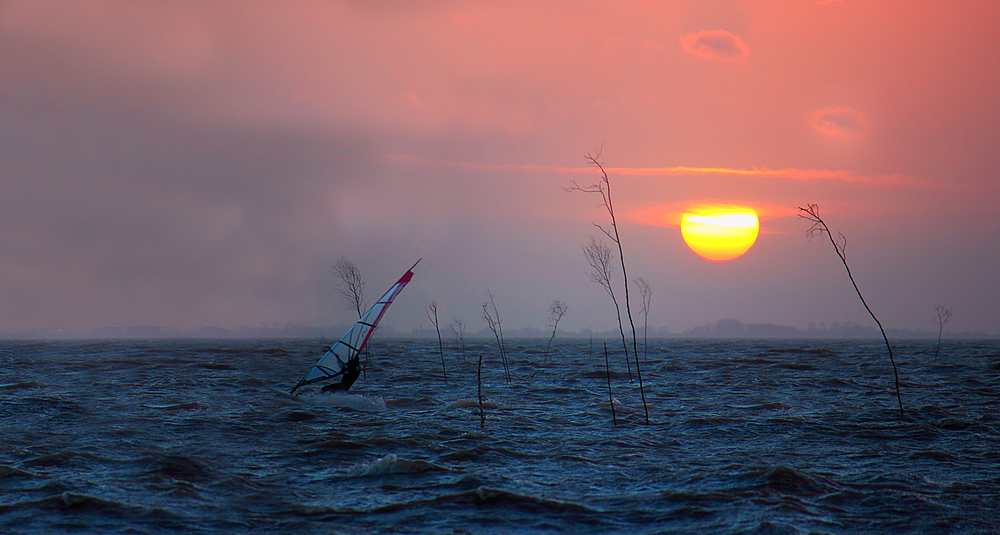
(942, 319)
(604, 189)
(811, 213)
(432, 315)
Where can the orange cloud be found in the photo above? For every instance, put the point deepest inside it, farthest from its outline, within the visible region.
(715, 45)
(764, 172)
(894, 179)
(840, 122)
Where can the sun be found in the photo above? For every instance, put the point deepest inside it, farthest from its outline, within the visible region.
(720, 233)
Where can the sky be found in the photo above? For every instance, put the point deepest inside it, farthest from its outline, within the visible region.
(205, 163)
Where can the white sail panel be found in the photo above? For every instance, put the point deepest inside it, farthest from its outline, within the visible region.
(335, 361)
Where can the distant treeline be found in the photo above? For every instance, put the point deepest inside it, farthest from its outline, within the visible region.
(733, 328)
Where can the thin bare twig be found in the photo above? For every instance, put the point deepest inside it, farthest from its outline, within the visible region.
(492, 320)
(647, 295)
(479, 380)
(432, 315)
(942, 319)
(598, 255)
(556, 311)
(603, 188)
(352, 289)
(607, 373)
(811, 214)
(352, 286)
(458, 327)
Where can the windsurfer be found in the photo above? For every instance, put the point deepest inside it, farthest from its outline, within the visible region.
(332, 363)
(351, 372)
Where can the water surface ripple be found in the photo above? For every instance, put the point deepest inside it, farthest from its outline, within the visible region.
(763, 436)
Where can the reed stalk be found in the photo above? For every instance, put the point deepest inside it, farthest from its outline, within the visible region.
(607, 372)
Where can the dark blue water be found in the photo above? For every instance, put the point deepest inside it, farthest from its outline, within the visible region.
(745, 437)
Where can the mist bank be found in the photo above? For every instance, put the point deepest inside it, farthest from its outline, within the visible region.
(721, 329)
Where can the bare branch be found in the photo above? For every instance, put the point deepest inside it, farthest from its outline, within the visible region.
(352, 289)
(556, 311)
(432, 314)
(352, 285)
(593, 188)
(647, 295)
(942, 319)
(811, 214)
(607, 373)
(606, 233)
(598, 255)
(458, 327)
(604, 189)
(943, 315)
(645, 292)
(840, 245)
(492, 320)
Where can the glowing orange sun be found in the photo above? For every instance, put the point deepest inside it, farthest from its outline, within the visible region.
(720, 233)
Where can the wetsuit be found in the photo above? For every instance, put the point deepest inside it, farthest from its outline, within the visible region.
(351, 372)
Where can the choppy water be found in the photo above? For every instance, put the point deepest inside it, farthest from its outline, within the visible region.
(746, 437)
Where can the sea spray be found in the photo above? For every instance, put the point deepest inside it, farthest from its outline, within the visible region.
(347, 401)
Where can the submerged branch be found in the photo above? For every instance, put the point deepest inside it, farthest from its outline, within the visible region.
(598, 255)
(607, 372)
(432, 315)
(492, 320)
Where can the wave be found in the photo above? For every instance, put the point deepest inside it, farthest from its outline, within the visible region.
(467, 454)
(58, 459)
(471, 404)
(184, 406)
(21, 385)
(178, 468)
(479, 497)
(767, 406)
(499, 497)
(77, 503)
(69, 501)
(339, 444)
(391, 464)
(346, 401)
(789, 481)
(9, 471)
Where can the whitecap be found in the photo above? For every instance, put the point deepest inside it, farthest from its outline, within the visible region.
(471, 404)
(391, 464)
(351, 401)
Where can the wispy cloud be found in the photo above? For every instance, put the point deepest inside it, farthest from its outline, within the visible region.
(841, 122)
(715, 45)
(843, 175)
(669, 214)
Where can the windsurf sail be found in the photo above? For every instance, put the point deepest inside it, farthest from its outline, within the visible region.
(342, 360)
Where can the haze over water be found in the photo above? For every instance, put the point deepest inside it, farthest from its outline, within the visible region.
(759, 436)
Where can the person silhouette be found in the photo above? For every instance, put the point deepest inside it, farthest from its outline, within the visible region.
(350, 374)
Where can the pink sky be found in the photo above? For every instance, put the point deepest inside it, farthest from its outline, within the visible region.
(205, 162)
